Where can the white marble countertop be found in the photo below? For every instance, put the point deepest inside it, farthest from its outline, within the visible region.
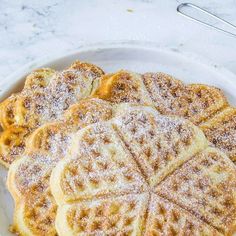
(31, 29)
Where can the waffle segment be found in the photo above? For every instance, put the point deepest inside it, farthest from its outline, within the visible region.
(168, 219)
(123, 86)
(104, 216)
(196, 102)
(99, 166)
(119, 154)
(12, 143)
(159, 143)
(206, 186)
(67, 88)
(36, 217)
(38, 79)
(8, 111)
(203, 201)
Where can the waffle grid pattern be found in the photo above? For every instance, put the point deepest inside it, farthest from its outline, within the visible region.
(191, 222)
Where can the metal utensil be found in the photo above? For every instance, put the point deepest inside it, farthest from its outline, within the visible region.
(190, 5)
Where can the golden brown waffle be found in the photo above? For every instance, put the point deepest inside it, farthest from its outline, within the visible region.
(65, 89)
(35, 81)
(166, 218)
(8, 111)
(221, 131)
(132, 156)
(46, 95)
(170, 96)
(122, 86)
(28, 177)
(196, 102)
(192, 192)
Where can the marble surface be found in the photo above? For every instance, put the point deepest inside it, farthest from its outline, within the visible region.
(32, 29)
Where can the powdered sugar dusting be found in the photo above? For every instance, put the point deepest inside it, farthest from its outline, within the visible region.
(51, 142)
(195, 102)
(45, 97)
(48, 104)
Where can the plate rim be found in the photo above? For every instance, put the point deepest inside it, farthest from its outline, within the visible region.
(10, 82)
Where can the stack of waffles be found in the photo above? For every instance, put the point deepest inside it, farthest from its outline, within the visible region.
(119, 154)
(44, 98)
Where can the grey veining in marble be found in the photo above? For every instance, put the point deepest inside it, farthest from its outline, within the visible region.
(30, 29)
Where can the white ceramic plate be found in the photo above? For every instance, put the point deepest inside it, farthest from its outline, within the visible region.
(136, 56)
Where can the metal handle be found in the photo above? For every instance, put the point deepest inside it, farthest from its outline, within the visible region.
(190, 5)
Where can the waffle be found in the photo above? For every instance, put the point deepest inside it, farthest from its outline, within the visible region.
(28, 177)
(44, 98)
(123, 86)
(207, 185)
(196, 102)
(118, 159)
(169, 96)
(65, 89)
(35, 81)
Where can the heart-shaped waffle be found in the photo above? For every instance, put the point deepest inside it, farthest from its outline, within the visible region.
(144, 174)
(139, 149)
(28, 177)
